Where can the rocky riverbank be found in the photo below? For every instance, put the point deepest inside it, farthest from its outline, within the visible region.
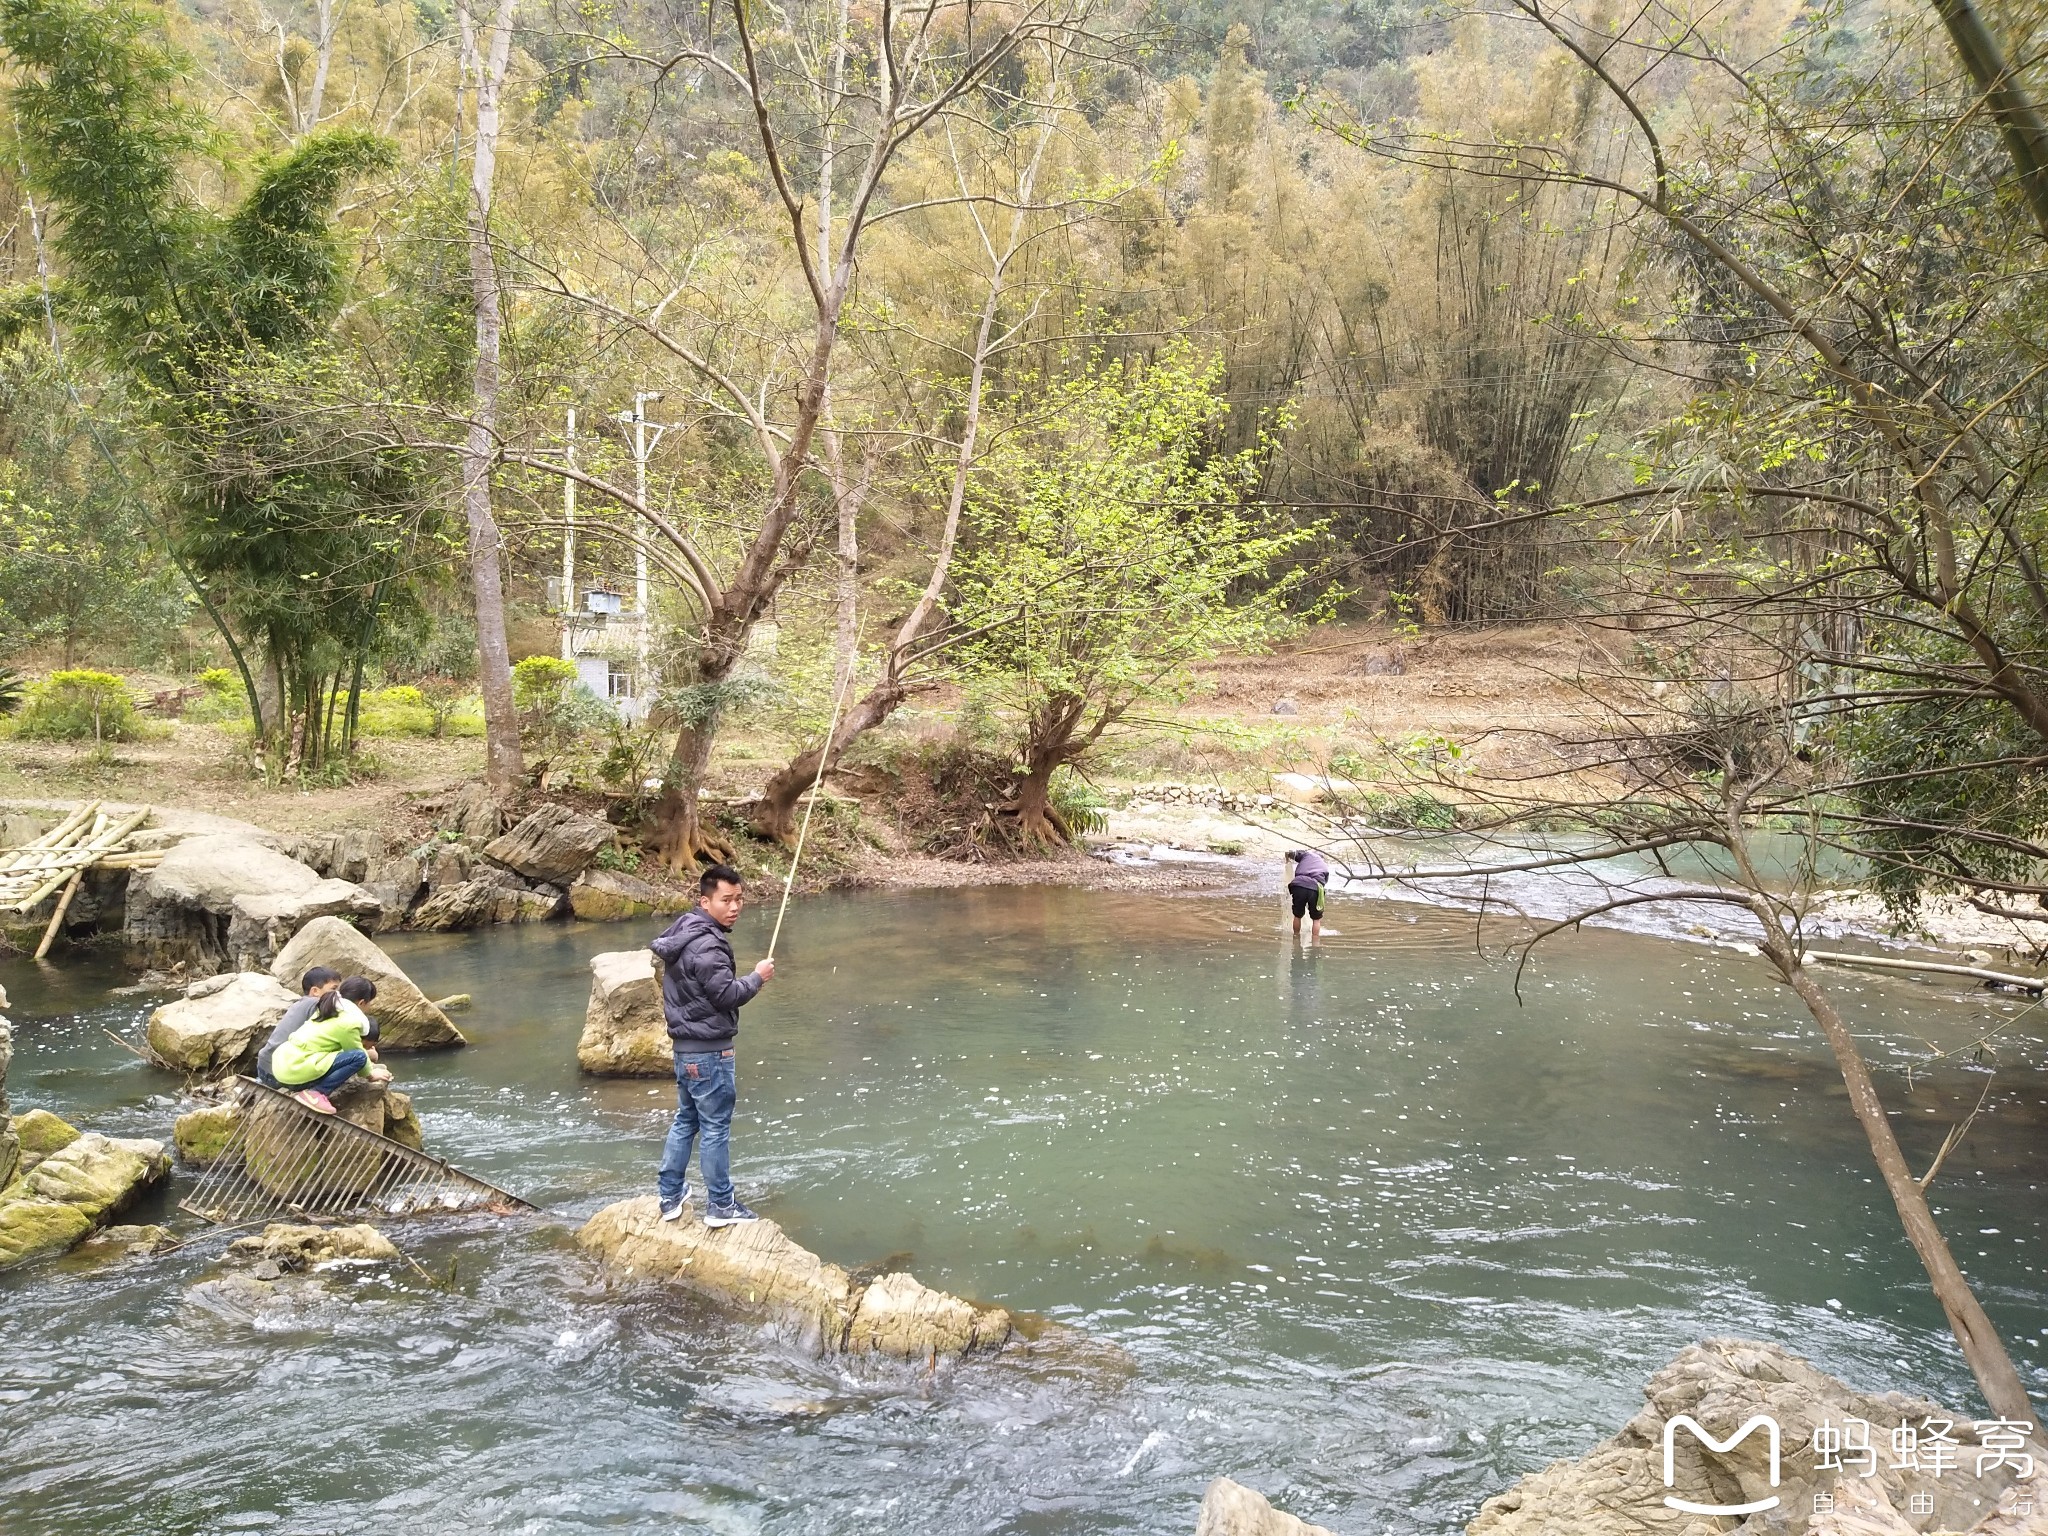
(1989, 1481)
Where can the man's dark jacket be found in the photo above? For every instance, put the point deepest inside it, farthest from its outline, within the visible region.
(700, 995)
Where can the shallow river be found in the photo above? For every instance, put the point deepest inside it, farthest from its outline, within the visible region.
(1374, 1237)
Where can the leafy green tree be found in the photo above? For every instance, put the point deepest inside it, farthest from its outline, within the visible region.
(1113, 548)
(296, 535)
(78, 565)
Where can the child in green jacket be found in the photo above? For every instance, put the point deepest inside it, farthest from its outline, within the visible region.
(327, 1050)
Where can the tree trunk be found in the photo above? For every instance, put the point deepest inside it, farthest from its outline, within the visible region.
(1050, 745)
(774, 814)
(1975, 1335)
(503, 761)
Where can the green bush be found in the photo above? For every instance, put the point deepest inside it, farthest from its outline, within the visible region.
(80, 705)
(223, 699)
(399, 711)
(1079, 806)
(12, 688)
(540, 681)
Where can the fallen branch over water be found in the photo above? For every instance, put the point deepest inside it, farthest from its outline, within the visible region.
(2034, 984)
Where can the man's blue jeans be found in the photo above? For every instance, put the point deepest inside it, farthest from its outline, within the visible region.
(705, 1090)
(346, 1065)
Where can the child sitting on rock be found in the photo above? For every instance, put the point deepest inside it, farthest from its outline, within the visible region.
(329, 1048)
(314, 985)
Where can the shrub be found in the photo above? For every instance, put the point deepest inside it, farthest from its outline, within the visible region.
(80, 705)
(1078, 804)
(12, 686)
(222, 700)
(399, 711)
(540, 681)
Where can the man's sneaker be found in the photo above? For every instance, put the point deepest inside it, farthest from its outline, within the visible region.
(672, 1211)
(726, 1215)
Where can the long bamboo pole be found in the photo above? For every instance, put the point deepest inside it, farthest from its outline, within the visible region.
(810, 804)
(57, 917)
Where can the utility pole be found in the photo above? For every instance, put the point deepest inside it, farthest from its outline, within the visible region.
(637, 419)
(569, 547)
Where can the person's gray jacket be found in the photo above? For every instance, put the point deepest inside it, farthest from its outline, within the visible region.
(701, 997)
(294, 1016)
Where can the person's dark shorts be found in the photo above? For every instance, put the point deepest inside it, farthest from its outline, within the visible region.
(1308, 900)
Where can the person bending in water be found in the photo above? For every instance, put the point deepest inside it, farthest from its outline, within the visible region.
(328, 1049)
(1308, 873)
(315, 984)
(701, 998)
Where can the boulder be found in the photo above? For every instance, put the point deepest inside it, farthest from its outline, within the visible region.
(606, 896)
(202, 1134)
(1618, 1488)
(10, 1147)
(396, 883)
(1231, 1509)
(217, 1027)
(20, 828)
(71, 1191)
(449, 866)
(496, 896)
(380, 1108)
(554, 844)
(39, 1133)
(260, 926)
(755, 1268)
(302, 1247)
(407, 1020)
(473, 811)
(898, 1315)
(624, 1032)
(225, 901)
(129, 1242)
(1286, 707)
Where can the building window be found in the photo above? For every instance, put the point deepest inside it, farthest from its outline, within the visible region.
(619, 681)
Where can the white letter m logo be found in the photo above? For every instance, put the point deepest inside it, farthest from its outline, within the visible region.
(1700, 1434)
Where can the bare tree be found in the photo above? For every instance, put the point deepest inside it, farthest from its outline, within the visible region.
(900, 70)
(484, 62)
(1005, 218)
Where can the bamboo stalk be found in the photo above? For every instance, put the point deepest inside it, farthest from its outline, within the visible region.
(53, 840)
(1886, 963)
(57, 917)
(89, 854)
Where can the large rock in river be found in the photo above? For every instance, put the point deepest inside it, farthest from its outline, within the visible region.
(1231, 1509)
(552, 844)
(10, 1147)
(39, 1134)
(755, 1268)
(606, 896)
(407, 1019)
(226, 901)
(1618, 1488)
(624, 1033)
(219, 1024)
(72, 1191)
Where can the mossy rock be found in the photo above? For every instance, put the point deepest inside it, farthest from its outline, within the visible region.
(202, 1135)
(41, 1133)
(31, 1226)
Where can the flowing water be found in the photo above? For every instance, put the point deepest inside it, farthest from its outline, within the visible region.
(1370, 1234)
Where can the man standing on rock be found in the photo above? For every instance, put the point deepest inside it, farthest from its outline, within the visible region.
(701, 998)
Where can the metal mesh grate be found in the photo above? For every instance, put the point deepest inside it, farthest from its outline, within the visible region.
(282, 1156)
